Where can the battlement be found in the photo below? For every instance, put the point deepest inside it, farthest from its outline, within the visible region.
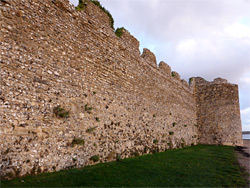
(149, 57)
(165, 68)
(130, 43)
(71, 89)
(202, 81)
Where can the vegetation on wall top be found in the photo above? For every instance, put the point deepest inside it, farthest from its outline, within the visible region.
(111, 20)
(173, 74)
(119, 31)
(81, 5)
(190, 80)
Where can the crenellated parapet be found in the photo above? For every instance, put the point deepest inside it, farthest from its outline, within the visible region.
(202, 81)
(184, 82)
(100, 17)
(131, 43)
(199, 81)
(220, 81)
(176, 75)
(165, 68)
(149, 57)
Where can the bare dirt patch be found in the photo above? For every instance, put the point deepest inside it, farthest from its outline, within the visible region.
(243, 154)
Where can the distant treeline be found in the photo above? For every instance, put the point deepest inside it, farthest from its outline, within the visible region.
(245, 132)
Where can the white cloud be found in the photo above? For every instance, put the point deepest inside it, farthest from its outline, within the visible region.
(238, 30)
(186, 47)
(245, 80)
(245, 112)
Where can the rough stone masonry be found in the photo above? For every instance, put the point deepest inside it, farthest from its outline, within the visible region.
(72, 93)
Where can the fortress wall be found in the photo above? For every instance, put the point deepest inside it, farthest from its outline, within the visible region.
(218, 112)
(118, 103)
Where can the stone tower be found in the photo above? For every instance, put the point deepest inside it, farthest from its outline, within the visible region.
(218, 112)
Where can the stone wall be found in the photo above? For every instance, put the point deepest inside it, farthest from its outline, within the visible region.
(218, 112)
(120, 103)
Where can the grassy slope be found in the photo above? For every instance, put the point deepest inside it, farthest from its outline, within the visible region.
(197, 166)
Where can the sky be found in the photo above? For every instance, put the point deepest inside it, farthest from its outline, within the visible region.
(206, 38)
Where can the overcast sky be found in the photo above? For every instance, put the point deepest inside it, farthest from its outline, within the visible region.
(206, 38)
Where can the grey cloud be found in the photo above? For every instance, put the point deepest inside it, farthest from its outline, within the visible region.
(174, 19)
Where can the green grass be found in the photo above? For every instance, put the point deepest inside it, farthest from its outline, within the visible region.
(196, 166)
(95, 158)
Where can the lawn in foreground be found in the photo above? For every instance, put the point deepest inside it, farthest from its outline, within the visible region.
(196, 166)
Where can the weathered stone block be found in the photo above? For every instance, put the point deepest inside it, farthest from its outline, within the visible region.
(220, 81)
(149, 57)
(132, 44)
(176, 75)
(165, 68)
(184, 82)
